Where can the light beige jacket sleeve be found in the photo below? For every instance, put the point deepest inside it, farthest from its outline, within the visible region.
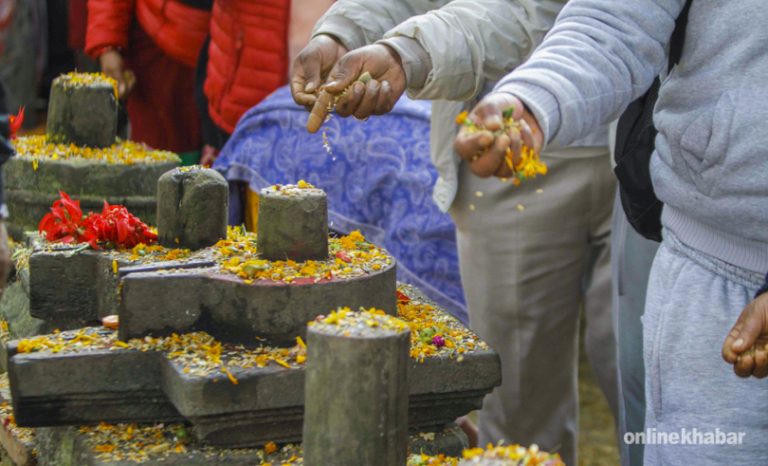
(456, 48)
(362, 22)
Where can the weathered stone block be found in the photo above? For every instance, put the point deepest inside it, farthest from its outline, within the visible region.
(68, 446)
(30, 190)
(192, 208)
(182, 301)
(82, 113)
(356, 392)
(267, 404)
(100, 385)
(293, 223)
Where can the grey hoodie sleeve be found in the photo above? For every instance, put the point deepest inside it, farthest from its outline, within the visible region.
(599, 56)
(470, 43)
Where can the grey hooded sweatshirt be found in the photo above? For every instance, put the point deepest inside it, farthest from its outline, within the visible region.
(711, 162)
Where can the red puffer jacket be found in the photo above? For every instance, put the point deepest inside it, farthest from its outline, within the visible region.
(248, 56)
(179, 30)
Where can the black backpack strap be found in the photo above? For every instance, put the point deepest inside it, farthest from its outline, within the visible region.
(635, 140)
(677, 40)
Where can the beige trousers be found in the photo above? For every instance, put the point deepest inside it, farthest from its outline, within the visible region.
(527, 254)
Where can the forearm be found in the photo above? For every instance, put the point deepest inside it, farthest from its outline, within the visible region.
(109, 23)
(470, 43)
(356, 23)
(599, 56)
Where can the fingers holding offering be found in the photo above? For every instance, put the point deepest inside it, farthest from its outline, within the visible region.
(312, 66)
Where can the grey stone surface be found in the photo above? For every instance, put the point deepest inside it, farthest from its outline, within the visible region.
(265, 405)
(65, 446)
(71, 289)
(451, 441)
(83, 388)
(192, 208)
(293, 224)
(233, 311)
(84, 115)
(29, 193)
(14, 309)
(356, 397)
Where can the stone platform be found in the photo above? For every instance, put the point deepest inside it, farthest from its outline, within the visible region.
(266, 404)
(158, 444)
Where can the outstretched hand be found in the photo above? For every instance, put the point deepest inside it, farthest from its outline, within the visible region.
(486, 149)
(383, 84)
(312, 66)
(746, 346)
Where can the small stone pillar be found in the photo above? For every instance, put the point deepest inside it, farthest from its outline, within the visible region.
(356, 390)
(192, 207)
(293, 223)
(82, 110)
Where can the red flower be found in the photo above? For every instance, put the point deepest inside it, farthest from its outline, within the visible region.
(402, 298)
(114, 225)
(15, 122)
(63, 223)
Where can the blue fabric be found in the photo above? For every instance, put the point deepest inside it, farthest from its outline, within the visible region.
(378, 179)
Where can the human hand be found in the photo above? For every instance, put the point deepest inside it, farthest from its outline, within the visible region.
(113, 65)
(312, 66)
(746, 346)
(377, 79)
(486, 149)
(208, 155)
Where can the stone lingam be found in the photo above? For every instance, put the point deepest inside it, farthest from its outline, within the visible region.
(81, 155)
(214, 338)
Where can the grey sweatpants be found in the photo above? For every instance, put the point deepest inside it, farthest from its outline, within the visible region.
(693, 301)
(526, 253)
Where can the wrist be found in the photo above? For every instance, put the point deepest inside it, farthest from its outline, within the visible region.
(413, 59)
(99, 52)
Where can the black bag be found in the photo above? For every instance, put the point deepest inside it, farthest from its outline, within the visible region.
(635, 141)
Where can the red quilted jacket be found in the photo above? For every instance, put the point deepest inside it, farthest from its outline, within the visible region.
(248, 56)
(179, 30)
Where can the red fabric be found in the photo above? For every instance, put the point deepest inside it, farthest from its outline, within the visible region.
(161, 107)
(178, 30)
(78, 21)
(248, 56)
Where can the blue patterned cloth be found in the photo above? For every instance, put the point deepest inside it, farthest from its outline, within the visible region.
(378, 179)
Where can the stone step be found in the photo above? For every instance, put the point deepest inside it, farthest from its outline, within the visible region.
(125, 385)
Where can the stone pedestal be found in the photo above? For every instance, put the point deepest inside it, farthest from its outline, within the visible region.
(192, 208)
(293, 223)
(82, 110)
(32, 186)
(356, 391)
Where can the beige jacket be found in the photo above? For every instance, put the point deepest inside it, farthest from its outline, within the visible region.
(453, 52)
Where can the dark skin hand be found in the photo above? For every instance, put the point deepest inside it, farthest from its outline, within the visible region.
(311, 68)
(485, 150)
(383, 83)
(746, 346)
(113, 65)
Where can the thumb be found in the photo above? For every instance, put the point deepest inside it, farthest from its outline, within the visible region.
(747, 330)
(344, 73)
